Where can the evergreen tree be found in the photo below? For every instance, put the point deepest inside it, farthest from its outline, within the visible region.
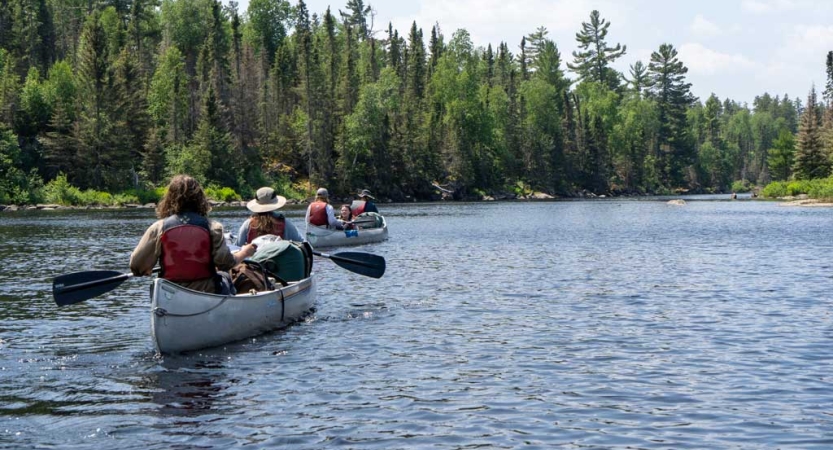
(640, 80)
(212, 137)
(130, 113)
(60, 148)
(349, 75)
(168, 97)
(356, 18)
(828, 87)
(592, 60)
(268, 21)
(101, 164)
(810, 159)
(674, 150)
(781, 156)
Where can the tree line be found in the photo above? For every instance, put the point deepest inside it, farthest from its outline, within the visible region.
(116, 95)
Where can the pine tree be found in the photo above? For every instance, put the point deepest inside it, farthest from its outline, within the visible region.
(130, 114)
(356, 18)
(592, 61)
(212, 137)
(639, 80)
(101, 163)
(810, 159)
(781, 156)
(674, 150)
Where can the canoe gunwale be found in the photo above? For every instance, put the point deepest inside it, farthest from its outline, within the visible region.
(184, 320)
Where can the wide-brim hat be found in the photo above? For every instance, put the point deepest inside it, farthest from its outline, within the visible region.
(266, 200)
(366, 193)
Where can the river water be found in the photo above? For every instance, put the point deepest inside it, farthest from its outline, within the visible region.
(583, 324)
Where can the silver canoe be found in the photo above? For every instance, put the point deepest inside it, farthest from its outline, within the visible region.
(184, 320)
(325, 237)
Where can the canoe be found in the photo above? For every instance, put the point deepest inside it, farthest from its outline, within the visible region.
(184, 320)
(325, 237)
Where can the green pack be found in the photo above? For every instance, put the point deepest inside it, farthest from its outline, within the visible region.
(291, 261)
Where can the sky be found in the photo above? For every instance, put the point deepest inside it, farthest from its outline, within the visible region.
(736, 49)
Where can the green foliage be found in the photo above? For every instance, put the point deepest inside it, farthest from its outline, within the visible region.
(781, 156)
(819, 188)
(741, 186)
(152, 88)
(194, 160)
(222, 194)
(775, 189)
(144, 196)
(16, 186)
(61, 192)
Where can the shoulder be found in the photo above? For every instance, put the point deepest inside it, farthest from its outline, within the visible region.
(215, 226)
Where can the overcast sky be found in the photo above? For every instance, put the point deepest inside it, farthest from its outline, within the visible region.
(733, 48)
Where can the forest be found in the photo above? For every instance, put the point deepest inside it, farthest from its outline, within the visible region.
(114, 97)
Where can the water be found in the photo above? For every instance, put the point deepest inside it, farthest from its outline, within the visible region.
(582, 324)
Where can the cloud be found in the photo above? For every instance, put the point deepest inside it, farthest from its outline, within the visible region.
(807, 42)
(702, 60)
(494, 21)
(700, 26)
(767, 6)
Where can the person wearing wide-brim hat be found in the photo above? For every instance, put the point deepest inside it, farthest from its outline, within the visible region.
(321, 213)
(365, 203)
(266, 220)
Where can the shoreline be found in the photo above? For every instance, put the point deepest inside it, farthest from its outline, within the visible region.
(783, 201)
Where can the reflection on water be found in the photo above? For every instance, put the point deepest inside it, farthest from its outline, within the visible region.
(601, 324)
(187, 386)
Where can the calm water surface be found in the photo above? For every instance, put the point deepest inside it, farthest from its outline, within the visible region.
(593, 324)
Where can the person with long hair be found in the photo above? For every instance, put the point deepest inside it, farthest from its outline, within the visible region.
(347, 217)
(266, 220)
(320, 212)
(187, 245)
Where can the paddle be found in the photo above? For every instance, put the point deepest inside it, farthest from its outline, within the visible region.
(79, 286)
(366, 264)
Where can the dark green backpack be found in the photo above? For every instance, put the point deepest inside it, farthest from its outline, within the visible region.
(289, 260)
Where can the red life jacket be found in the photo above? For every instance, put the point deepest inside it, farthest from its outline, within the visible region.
(318, 214)
(358, 207)
(186, 248)
(278, 229)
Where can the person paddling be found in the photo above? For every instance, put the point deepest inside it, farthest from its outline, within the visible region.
(364, 203)
(266, 220)
(187, 245)
(320, 213)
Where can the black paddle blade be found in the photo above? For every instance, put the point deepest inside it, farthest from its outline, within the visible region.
(366, 264)
(79, 286)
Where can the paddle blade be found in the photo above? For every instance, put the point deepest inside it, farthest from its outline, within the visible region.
(76, 287)
(366, 264)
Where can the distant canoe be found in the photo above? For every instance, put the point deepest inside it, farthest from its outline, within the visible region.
(372, 227)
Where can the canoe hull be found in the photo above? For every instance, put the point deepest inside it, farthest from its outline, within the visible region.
(323, 237)
(184, 320)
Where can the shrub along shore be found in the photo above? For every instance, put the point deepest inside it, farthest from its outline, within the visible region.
(60, 194)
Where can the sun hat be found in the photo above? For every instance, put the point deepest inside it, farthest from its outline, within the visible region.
(266, 200)
(322, 192)
(366, 193)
